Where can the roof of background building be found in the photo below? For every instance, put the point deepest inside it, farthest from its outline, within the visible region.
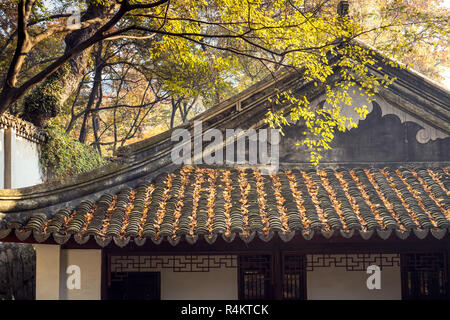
(110, 202)
(210, 202)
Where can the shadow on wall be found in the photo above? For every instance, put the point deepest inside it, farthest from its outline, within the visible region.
(17, 271)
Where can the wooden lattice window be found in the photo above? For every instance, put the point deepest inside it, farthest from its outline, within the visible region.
(424, 276)
(255, 277)
(257, 280)
(294, 277)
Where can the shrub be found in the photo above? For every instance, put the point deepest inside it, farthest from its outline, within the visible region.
(63, 155)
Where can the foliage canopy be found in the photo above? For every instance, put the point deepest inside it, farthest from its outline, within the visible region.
(186, 52)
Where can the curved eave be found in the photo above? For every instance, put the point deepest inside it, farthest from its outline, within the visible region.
(18, 235)
(210, 203)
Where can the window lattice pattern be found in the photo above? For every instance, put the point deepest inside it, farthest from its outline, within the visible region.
(352, 262)
(185, 263)
(432, 262)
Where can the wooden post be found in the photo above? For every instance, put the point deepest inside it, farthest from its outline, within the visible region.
(447, 270)
(238, 106)
(9, 143)
(277, 275)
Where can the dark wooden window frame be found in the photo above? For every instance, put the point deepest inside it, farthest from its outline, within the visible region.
(266, 283)
(410, 272)
(157, 283)
(300, 271)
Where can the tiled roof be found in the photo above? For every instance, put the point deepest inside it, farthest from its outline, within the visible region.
(205, 202)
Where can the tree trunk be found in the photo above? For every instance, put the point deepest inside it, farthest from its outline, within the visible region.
(96, 119)
(94, 93)
(44, 101)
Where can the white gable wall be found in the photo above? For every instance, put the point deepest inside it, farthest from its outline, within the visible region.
(19, 160)
(26, 169)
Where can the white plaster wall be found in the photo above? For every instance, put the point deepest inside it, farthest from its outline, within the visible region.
(26, 168)
(217, 284)
(325, 283)
(90, 263)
